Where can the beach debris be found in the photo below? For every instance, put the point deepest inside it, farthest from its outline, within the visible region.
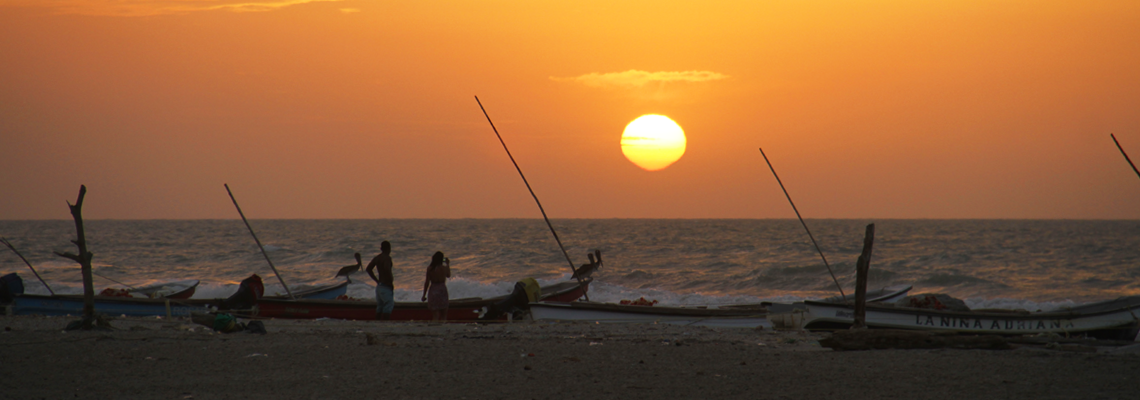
(1130, 349)
(639, 302)
(256, 327)
(933, 301)
(374, 340)
(1076, 348)
(257, 355)
(226, 323)
(98, 321)
(111, 292)
(788, 320)
(572, 359)
(874, 339)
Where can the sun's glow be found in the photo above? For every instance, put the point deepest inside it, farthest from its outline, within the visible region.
(653, 142)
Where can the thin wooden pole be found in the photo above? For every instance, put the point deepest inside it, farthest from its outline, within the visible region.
(259, 243)
(6, 243)
(540, 209)
(803, 223)
(1125, 155)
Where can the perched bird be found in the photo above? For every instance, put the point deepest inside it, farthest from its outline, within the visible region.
(588, 269)
(350, 269)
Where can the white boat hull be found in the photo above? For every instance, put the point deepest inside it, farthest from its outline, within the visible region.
(1117, 318)
(885, 295)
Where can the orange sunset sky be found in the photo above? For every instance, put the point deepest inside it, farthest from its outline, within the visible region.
(365, 109)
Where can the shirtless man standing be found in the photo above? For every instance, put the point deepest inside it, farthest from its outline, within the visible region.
(383, 278)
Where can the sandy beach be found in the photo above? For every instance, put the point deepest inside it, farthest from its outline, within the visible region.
(173, 359)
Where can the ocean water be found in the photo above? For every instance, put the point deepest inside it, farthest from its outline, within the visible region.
(1031, 264)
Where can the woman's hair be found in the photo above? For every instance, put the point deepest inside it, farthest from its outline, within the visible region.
(436, 259)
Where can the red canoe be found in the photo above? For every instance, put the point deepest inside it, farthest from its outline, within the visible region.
(458, 309)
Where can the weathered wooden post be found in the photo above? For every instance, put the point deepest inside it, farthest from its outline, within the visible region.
(861, 268)
(84, 259)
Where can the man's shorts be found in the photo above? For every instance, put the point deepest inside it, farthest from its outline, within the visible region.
(384, 302)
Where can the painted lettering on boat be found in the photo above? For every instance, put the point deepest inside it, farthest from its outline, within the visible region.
(990, 324)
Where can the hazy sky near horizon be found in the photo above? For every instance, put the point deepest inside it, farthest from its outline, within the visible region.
(365, 109)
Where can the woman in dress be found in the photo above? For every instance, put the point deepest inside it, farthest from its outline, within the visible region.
(435, 286)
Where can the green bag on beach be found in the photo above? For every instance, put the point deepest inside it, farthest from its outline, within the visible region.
(224, 322)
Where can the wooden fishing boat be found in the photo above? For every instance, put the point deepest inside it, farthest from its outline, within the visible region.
(734, 317)
(163, 299)
(1114, 319)
(458, 309)
(31, 304)
(169, 290)
(320, 292)
(884, 295)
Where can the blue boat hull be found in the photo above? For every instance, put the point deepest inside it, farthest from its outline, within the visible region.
(73, 305)
(30, 304)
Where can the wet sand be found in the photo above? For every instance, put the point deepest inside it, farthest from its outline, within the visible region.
(149, 358)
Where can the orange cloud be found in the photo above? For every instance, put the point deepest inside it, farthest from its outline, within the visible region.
(140, 8)
(635, 78)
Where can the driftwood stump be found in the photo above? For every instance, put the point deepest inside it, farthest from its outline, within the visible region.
(90, 320)
(861, 269)
(876, 339)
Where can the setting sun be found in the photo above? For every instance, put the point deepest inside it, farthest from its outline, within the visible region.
(653, 142)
